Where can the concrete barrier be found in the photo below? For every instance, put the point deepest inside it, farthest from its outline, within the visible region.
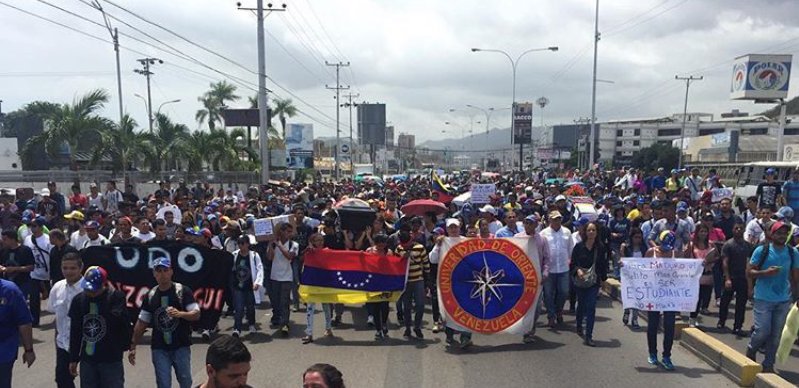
(771, 380)
(722, 357)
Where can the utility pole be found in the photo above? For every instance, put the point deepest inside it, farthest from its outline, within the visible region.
(263, 102)
(115, 38)
(349, 105)
(688, 81)
(145, 71)
(592, 137)
(338, 89)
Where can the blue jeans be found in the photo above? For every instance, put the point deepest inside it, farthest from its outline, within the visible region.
(413, 291)
(586, 308)
(101, 374)
(769, 319)
(556, 290)
(669, 317)
(164, 360)
(327, 311)
(5, 374)
(243, 300)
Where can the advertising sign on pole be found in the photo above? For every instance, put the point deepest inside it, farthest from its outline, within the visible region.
(760, 77)
(299, 146)
(523, 123)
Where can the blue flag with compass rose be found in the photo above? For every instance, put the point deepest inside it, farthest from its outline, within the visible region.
(489, 285)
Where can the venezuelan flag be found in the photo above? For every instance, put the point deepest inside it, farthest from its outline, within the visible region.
(445, 193)
(352, 277)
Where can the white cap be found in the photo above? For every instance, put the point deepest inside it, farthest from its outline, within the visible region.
(45, 192)
(488, 209)
(452, 221)
(560, 198)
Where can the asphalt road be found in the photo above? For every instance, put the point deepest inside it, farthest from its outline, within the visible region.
(556, 359)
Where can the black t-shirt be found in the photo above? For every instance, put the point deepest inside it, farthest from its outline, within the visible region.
(335, 241)
(101, 327)
(48, 207)
(169, 333)
(301, 236)
(242, 273)
(738, 254)
(767, 194)
(56, 254)
(21, 256)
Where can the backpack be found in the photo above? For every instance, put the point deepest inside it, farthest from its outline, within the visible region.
(762, 260)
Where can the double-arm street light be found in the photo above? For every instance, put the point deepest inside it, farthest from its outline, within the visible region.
(157, 111)
(514, 64)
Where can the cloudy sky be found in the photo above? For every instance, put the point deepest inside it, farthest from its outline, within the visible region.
(412, 55)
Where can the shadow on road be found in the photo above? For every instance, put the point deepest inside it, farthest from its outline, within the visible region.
(693, 373)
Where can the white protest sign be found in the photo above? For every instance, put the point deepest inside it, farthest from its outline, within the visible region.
(721, 193)
(170, 208)
(262, 227)
(481, 192)
(651, 284)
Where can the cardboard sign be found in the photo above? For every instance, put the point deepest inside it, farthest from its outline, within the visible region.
(655, 284)
(481, 192)
(721, 193)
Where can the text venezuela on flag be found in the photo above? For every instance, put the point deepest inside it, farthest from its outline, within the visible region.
(351, 277)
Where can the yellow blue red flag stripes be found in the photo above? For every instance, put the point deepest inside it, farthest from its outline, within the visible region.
(351, 277)
(445, 193)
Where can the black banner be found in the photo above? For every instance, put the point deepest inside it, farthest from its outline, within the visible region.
(205, 271)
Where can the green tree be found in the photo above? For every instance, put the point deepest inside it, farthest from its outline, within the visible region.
(39, 109)
(284, 108)
(70, 124)
(167, 144)
(655, 156)
(230, 150)
(123, 144)
(213, 101)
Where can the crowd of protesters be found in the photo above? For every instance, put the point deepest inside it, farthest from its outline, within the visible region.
(635, 214)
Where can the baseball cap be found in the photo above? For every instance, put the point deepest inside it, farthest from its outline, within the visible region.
(163, 262)
(771, 171)
(560, 198)
(94, 278)
(779, 224)
(93, 185)
(580, 221)
(785, 212)
(555, 214)
(667, 239)
(45, 192)
(75, 215)
(534, 218)
(193, 232)
(92, 225)
(452, 221)
(39, 220)
(488, 209)
(682, 207)
(439, 231)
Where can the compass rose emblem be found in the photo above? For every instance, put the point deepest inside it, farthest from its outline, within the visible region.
(487, 284)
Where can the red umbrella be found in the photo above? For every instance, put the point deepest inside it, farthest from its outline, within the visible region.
(421, 206)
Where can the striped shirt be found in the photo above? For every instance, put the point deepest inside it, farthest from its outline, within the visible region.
(419, 264)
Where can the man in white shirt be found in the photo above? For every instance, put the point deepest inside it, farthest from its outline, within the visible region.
(94, 197)
(556, 287)
(489, 213)
(39, 243)
(281, 252)
(60, 299)
(756, 229)
(145, 232)
(112, 198)
(530, 230)
(694, 184)
(93, 236)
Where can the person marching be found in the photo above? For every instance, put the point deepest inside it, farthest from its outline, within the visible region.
(61, 296)
(168, 308)
(664, 249)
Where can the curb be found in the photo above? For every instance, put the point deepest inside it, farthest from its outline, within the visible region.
(730, 362)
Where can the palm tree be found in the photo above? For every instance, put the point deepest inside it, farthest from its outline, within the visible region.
(199, 149)
(39, 109)
(284, 108)
(229, 150)
(71, 124)
(213, 102)
(166, 143)
(123, 144)
(253, 100)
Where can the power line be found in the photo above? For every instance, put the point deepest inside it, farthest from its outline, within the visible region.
(318, 57)
(620, 26)
(324, 30)
(642, 21)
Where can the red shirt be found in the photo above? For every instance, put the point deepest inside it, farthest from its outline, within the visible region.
(78, 201)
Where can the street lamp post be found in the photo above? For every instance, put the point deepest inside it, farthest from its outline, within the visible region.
(158, 111)
(513, 104)
(146, 109)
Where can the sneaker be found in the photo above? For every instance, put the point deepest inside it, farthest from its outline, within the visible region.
(718, 302)
(336, 321)
(370, 321)
(740, 333)
(407, 333)
(328, 333)
(551, 322)
(579, 330)
(206, 335)
(307, 339)
(666, 362)
(379, 336)
(625, 317)
(418, 333)
(751, 354)
(284, 330)
(721, 326)
(528, 338)
(589, 342)
(705, 311)
(436, 327)
(653, 359)
(252, 329)
(465, 342)
(236, 333)
(635, 325)
(559, 318)
(692, 322)
(385, 333)
(295, 309)
(449, 340)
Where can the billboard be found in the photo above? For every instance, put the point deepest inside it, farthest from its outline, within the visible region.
(760, 77)
(372, 124)
(523, 123)
(299, 146)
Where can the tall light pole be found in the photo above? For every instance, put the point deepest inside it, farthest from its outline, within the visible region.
(513, 64)
(146, 105)
(338, 89)
(145, 71)
(349, 104)
(688, 81)
(592, 134)
(263, 101)
(486, 111)
(158, 111)
(115, 38)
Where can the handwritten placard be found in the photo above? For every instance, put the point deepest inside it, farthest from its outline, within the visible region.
(651, 284)
(481, 192)
(262, 227)
(720, 193)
